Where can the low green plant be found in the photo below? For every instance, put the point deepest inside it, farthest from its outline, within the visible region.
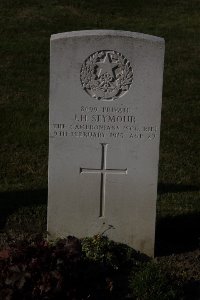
(100, 249)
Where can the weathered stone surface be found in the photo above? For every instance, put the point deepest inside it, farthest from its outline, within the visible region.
(105, 109)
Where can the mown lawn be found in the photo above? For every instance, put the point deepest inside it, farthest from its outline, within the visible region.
(25, 29)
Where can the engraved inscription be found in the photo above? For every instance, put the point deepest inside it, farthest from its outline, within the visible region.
(92, 122)
(103, 171)
(106, 75)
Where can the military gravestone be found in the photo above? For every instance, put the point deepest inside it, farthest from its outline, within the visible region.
(105, 110)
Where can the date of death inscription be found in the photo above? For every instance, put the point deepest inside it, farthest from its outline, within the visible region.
(104, 122)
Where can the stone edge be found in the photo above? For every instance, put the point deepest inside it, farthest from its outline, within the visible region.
(117, 33)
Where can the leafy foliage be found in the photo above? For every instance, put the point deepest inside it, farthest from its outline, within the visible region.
(49, 271)
(94, 268)
(60, 270)
(100, 249)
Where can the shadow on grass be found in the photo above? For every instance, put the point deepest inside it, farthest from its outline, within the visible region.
(12, 201)
(177, 234)
(164, 188)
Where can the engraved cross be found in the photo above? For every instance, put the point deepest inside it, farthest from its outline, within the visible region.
(103, 171)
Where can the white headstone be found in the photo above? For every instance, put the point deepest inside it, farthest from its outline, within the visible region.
(105, 111)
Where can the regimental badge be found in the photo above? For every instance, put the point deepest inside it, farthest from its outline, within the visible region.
(106, 75)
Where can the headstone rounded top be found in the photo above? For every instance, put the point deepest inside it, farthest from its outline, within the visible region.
(118, 33)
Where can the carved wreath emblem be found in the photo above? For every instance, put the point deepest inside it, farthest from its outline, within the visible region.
(106, 75)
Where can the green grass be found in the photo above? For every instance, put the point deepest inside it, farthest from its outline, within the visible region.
(25, 29)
